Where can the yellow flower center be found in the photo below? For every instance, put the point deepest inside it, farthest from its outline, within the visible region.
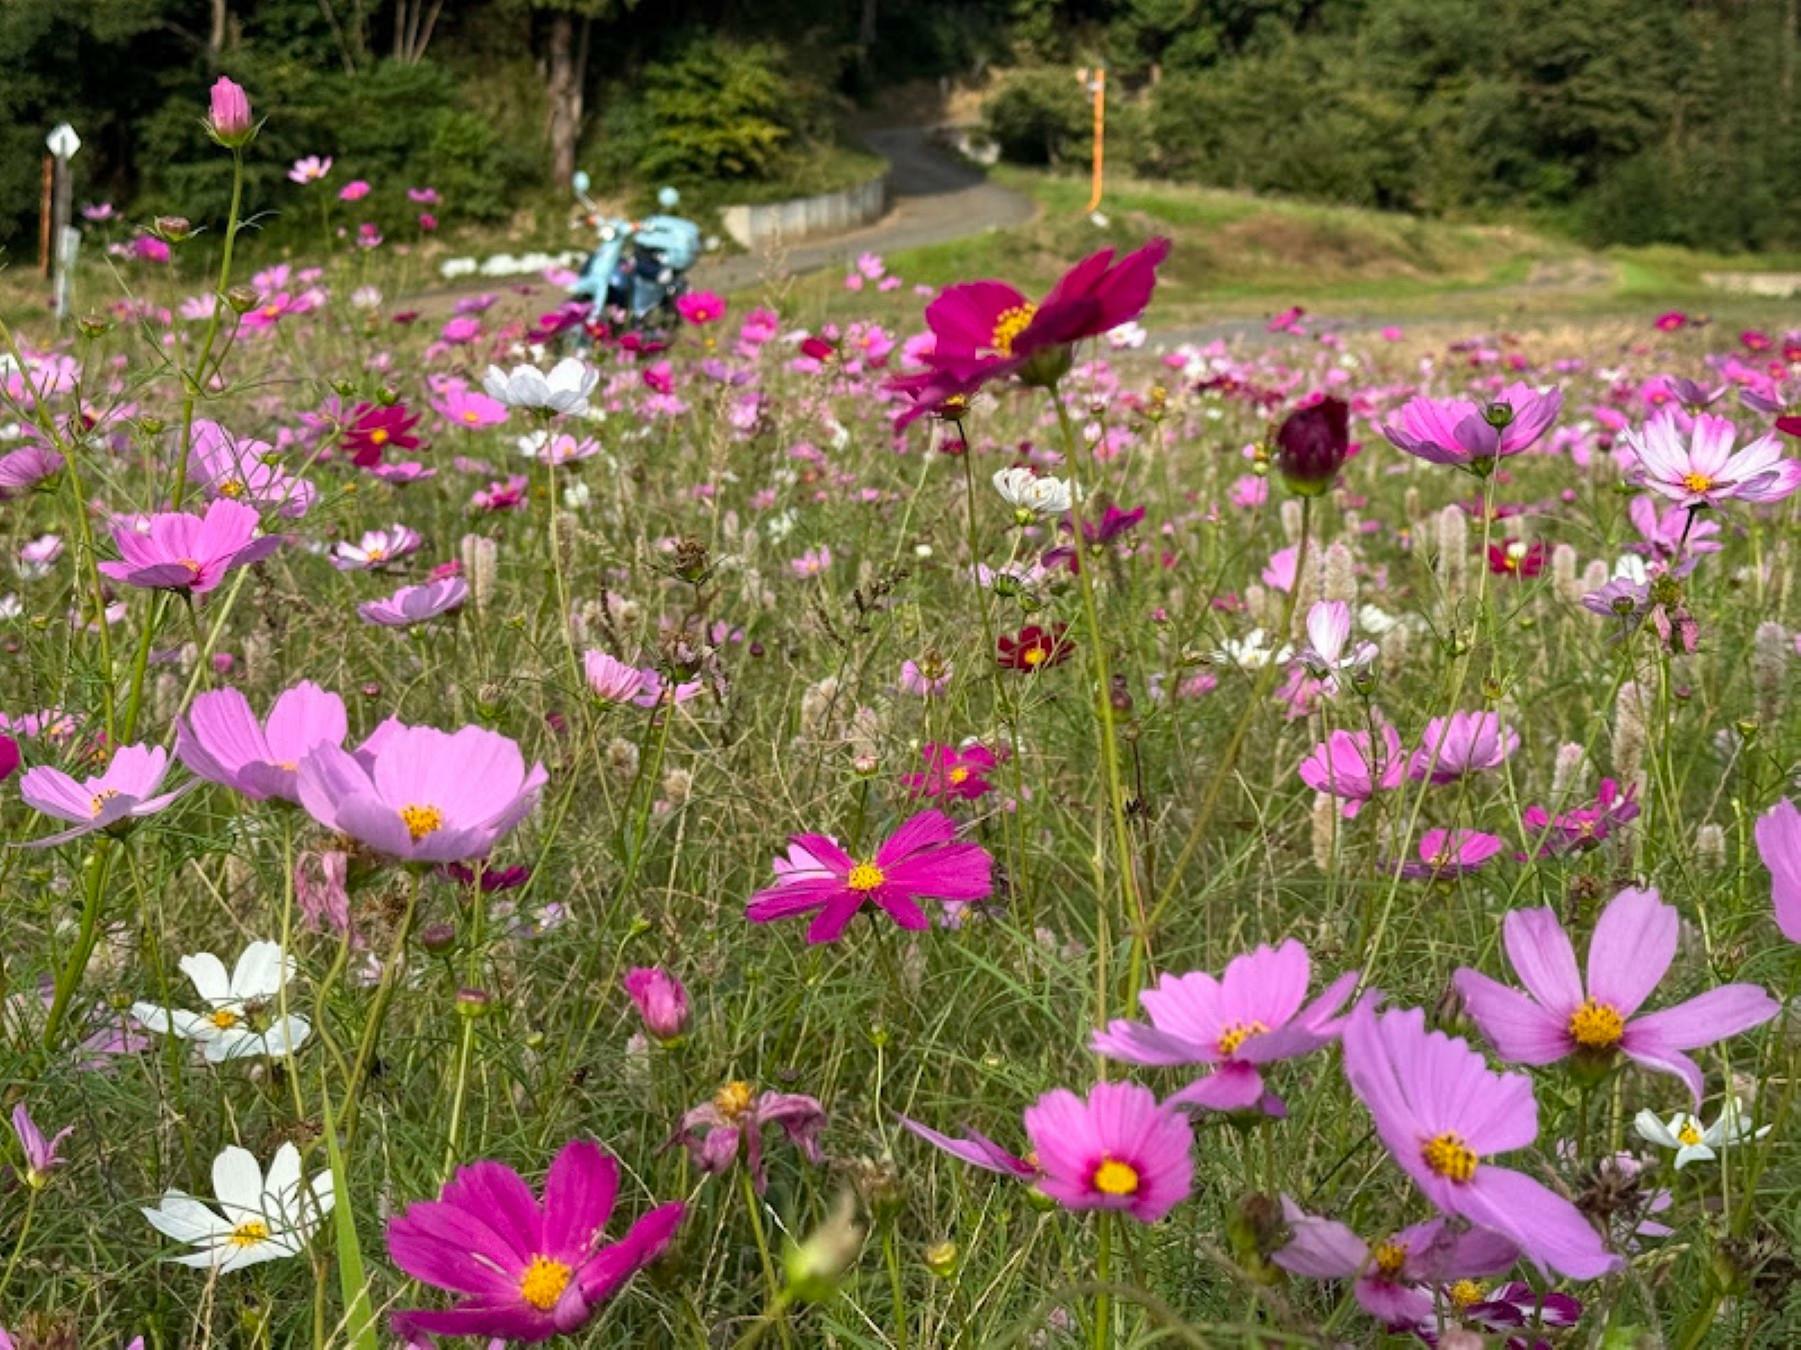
(1696, 482)
(865, 876)
(101, 798)
(1389, 1258)
(1114, 1177)
(1447, 1155)
(249, 1233)
(1465, 1293)
(231, 487)
(1597, 1026)
(191, 564)
(421, 820)
(379, 436)
(544, 1282)
(734, 1099)
(1689, 1135)
(1009, 325)
(223, 1018)
(958, 776)
(271, 311)
(1034, 655)
(472, 416)
(1236, 1034)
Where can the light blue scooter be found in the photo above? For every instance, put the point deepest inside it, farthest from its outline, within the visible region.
(640, 267)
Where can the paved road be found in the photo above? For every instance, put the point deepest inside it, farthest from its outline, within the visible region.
(933, 197)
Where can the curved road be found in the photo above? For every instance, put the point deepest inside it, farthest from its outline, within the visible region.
(932, 197)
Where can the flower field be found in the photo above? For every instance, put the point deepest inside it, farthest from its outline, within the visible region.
(971, 829)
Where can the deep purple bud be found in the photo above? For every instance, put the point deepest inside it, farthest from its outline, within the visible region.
(1312, 445)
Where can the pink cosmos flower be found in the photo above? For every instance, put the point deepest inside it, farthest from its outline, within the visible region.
(244, 470)
(1451, 853)
(221, 740)
(987, 330)
(415, 604)
(418, 794)
(377, 548)
(461, 328)
(929, 677)
(21, 470)
(1441, 1112)
(1463, 743)
(812, 563)
(501, 496)
(1779, 845)
(714, 1131)
(952, 771)
(41, 1154)
(9, 757)
(525, 1269)
(1584, 827)
(1328, 633)
(656, 692)
(978, 1150)
(612, 680)
(310, 169)
(921, 860)
(1344, 767)
(1700, 469)
(1457, 432)
(353, 191)
(660, 1000)
(422, 196)
(125, 792)
(1254, 1014)
(1633, 944)
(148, 248)
(469, 408)
(1118, 1150)
(183, 552)
(1393, 1279)
(700, 307)
(1663, 534)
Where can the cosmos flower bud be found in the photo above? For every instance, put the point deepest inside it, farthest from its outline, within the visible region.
(93, 325)
(228, 120)
(171, 229)
(438, 938)
(1312, 445)
(660, 999)
(941, 1259)
(1498, 415)
(473, 1002)
(242, 299)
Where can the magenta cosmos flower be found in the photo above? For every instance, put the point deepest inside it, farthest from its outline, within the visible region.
(1251, 1016)
(1344, 766)
(1460, 433)
(1441, 1112)
(1445, 854)
(921, 860)
(1700, 469)
(1119, 1149)
(1463, 743)
(959, 772)
(221, 741)
(418, 794)
(415, 604)
(1584, 827)
(1779, 845)
(126, 792)
(986, 330)
(183, 552)
(714, 1131)
(1392, 1278)
(1633, 944)
(526, 1269)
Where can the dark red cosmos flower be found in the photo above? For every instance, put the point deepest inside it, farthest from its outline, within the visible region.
(817, 348)
(987, 330)
(1112, 524)
(1312, 445)
(374, 429)
(1034, 649)
(1515, 557)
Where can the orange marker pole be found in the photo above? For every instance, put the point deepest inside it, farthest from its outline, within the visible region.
(1100, 133)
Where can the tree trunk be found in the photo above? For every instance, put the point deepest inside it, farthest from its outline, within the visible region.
(564, 78)
(866, 30)
(215, 38)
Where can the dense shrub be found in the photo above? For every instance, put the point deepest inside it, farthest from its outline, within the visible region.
(1040, 116)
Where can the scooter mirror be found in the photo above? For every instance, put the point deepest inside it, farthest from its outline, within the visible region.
(581, 182)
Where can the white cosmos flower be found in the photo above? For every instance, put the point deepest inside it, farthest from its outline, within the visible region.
(1032, 495)
(259, 1218)
(1253, 652)
(240, 1018)
(1374, 619)
(564, 389)
(1693, 1141)
(1328, 632)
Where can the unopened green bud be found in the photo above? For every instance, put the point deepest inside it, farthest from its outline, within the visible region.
(941, 1259)
(817, 1266)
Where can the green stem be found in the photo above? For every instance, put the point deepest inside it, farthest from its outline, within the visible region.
(1103, 1301)
(378, 1014)
(197, 378)
(68, 980)
(754, 1207)
(31, 1206)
